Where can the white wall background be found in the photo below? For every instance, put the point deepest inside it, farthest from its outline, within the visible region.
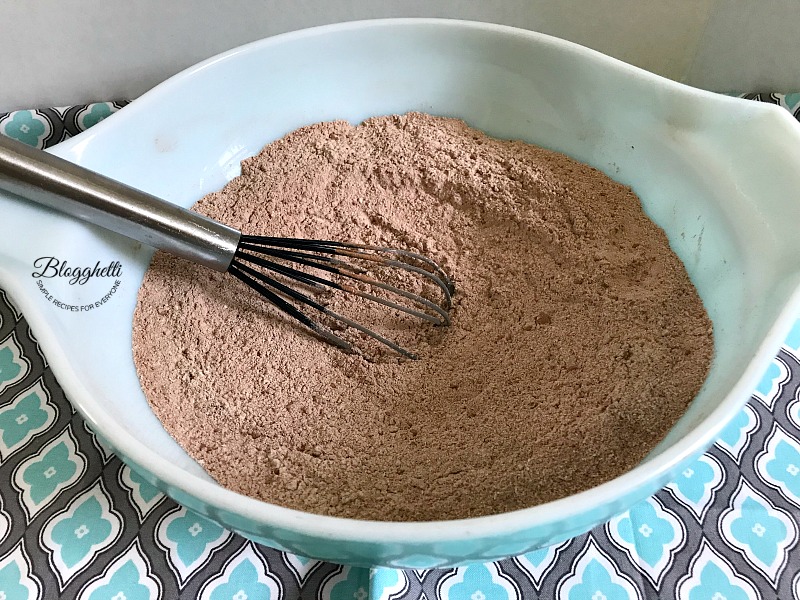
(57, 52)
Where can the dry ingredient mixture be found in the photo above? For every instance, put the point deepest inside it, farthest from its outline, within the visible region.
(577, 338)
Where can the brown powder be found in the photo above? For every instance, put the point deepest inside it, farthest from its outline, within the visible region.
(577, 337)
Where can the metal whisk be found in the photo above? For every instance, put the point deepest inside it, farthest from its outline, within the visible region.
(272, 266)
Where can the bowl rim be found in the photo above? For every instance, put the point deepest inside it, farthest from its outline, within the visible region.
(419, 532)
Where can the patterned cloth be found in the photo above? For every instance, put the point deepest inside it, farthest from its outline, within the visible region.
(45, 127)
(75, 523)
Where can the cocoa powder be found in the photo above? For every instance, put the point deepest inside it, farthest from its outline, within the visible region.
(577, 338)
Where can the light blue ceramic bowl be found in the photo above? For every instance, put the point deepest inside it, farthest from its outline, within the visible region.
(720, 175)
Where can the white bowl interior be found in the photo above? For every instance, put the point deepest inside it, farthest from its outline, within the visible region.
(716, 173)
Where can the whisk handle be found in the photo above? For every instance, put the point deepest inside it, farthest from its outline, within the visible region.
(61, 185)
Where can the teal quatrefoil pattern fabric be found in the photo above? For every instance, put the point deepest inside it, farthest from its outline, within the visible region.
(45, 127)
(75, 523)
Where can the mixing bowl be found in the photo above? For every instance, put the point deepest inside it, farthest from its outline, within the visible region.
(719, 174)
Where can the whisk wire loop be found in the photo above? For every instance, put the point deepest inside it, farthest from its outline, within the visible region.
(327, 257)
(375, 254)
(289, 309)
(341, 268)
